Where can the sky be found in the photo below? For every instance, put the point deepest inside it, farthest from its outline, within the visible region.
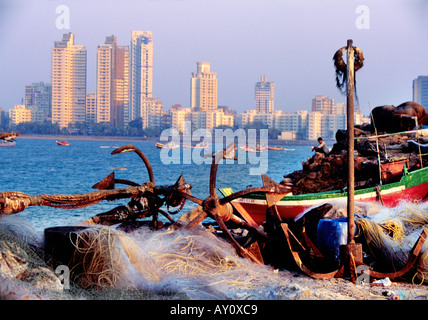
(291, 42)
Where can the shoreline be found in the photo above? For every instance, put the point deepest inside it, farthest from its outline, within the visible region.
(84, 138)
(149, 139)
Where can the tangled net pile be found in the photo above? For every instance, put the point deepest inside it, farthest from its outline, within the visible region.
(192, 263)
(23, 272)
(392, 233)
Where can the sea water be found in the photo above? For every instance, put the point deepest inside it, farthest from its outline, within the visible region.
(147, 260)
(40, 166)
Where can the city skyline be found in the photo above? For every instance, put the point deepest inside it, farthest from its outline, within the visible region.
(292, 45)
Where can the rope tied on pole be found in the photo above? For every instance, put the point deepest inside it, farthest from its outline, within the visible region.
(342, 68)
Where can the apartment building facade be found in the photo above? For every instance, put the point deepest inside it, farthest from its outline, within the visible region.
(68, 81)
(203, 88)
(38, 97)
(112, 83)
(19, 114)
(420, 91)
(264, 92)
(141, 80)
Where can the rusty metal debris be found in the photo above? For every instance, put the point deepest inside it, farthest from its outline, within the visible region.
(9, 136)
(278, 242)
(147, 200)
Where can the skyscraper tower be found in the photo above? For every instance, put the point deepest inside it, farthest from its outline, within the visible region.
(39, 95)
(112, 82)
(265, 95)
(420, 91)
(141, 71)
(203, 88)
(68, 81)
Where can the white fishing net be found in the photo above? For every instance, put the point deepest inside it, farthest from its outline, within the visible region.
(186, 264)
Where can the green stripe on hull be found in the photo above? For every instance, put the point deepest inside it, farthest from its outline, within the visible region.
(408, 180)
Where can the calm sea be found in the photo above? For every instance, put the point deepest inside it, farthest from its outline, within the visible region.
(36, 166)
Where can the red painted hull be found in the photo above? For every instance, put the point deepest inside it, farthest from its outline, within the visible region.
(62, 143)
(254, 210)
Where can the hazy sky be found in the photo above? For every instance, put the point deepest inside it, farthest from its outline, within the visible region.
(291, 42)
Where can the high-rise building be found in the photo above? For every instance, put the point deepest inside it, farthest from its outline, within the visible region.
(265, 95)
(38, 96)
(324, 105)
(112, 82)
(68, 81)
(91, 107)
(203, 88)
(420, 91)
(141, 71)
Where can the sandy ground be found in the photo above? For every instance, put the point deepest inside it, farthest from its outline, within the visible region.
(25, 276)
(343, 289)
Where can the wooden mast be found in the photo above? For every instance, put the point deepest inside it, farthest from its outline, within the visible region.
(350, 129)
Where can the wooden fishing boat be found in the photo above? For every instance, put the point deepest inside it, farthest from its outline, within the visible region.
(166, 146)
(201, 145)
(252, 149)
(62, 143)
(275, 148)
(413, 186)
(5, 143)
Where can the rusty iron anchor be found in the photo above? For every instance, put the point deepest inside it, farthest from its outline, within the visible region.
(222, 211)
(146, 199)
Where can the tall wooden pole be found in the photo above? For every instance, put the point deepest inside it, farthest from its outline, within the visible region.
(350, 254)
(350, 129)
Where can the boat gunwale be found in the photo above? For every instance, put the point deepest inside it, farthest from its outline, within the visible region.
(409, 179)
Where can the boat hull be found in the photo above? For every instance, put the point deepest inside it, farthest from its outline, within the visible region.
(194, 147)
(62, 143)
(165, 146)
(8, 144)
(412, 187)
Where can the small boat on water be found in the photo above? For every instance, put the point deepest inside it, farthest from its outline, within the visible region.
(200, 145)
(275, 148)
(169, 145)
(62, 143)
(4, 143)
(413, 186)
(248, 148)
